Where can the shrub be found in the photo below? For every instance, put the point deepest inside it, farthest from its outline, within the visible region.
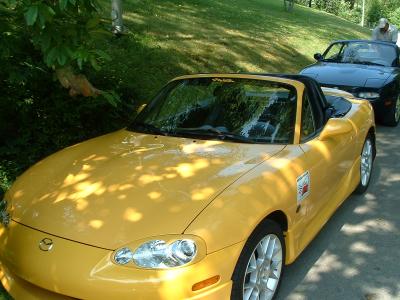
(37, 115)
(394, 17)
(375, 12)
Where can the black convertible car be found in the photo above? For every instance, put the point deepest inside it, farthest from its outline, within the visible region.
(366, 69)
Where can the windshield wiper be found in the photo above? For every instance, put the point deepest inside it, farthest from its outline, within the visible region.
(209, 131)
(147, 128)
(368, 63)
(234, 137)
(330, 60)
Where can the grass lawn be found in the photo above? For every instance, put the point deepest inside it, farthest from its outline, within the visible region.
(171, 38)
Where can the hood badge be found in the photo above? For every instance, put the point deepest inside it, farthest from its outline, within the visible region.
(46, 244)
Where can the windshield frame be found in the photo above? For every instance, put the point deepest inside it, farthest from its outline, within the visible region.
(395, 62)
(292, 85)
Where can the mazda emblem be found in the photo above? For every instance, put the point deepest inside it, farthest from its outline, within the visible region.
(46, 244)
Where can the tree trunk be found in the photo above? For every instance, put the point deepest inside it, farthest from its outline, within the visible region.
(288, 4)
(116, 17)
(363, 13)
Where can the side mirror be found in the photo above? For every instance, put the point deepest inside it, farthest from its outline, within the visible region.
(318, 56)
(140, 108)
(335, 127)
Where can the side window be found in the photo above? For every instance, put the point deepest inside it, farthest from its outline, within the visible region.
(334, 52)
(307, 119)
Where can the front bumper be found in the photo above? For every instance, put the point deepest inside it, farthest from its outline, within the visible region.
(380, 109)
(74, 270)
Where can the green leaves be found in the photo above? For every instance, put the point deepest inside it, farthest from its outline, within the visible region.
(63, 4)
(92, 23)
(65, 31)
(111, 97)
(46, 14)
(394, 17)
(31, 15)
(51, 56)
(94, 63)
(102, 54)
(81, 56)
(39, 11)
(59, 56)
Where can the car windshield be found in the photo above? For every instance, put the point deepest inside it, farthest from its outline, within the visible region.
(231, 109)
(362, 52)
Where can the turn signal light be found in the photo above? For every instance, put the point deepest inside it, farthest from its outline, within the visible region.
(205, 283)
(388, 102)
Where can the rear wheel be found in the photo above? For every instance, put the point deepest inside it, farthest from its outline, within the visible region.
(393, 116)
(367, 161)
(260, 266)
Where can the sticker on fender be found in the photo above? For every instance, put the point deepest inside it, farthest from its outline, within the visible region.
(303, 186)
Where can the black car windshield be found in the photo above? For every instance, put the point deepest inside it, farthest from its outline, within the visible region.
(361, 52)
(231, 109)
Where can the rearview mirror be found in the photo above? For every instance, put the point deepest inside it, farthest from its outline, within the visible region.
(318, 56)
(335, 127)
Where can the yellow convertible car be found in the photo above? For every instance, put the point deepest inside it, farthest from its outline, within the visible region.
(219, 182)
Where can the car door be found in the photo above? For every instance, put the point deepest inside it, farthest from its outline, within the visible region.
(329, 162)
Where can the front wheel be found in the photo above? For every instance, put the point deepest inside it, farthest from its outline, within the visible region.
(260, 266)
(367, 161)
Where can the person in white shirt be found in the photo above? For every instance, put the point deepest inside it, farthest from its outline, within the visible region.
(385, 32)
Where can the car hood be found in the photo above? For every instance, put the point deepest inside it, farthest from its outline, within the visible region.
(348, 74)
(125, 186)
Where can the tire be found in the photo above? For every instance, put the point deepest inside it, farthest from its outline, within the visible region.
(393, 117)
(265, 248)
(367, 161)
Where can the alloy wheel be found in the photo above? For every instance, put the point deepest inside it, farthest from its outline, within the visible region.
(263, 269)
(397, 110)
(366, 162)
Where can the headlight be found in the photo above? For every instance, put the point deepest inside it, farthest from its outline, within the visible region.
(368, 95)
(123, 256)
(158, 254)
